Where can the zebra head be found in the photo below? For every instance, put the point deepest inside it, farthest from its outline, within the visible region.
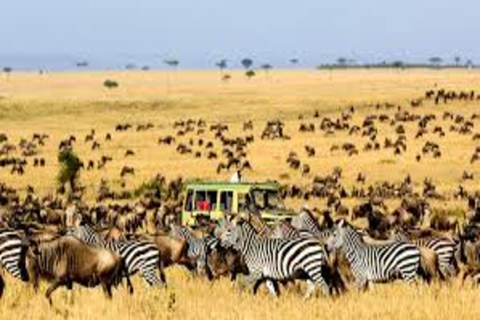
(230, 234)
(337, 239)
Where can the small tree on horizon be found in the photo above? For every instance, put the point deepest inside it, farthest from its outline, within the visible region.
(221, 65)
(435, 61)
(250, 74)
(247, 63)
(7, 71)
(266, 67)
(173, 64)
(110, 84)
(457, 60)
(342, 61)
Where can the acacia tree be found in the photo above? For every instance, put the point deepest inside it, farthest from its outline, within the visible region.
(342, 61)
(7, 71)
(457, 60)
(173, 64)
(266, 67)
(250, 74)
(435, 61)
(110, 84)
(247, 63)
(294, 61)
(221, 65)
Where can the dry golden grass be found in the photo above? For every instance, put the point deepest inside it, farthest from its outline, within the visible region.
(61, 104)
(198, 299)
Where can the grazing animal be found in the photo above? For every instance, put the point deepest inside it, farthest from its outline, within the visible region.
(197, 248)
(10, 255)
(139, 255)
(274, 260)
(66, 260)
(375, 262)
(444, 248)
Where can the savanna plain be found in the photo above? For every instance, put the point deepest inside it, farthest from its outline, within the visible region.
(73, 103)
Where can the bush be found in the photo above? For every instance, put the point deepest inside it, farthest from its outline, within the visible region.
(110, 84)
(69, 170)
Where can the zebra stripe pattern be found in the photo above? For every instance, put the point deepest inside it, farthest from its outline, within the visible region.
(139, 256)
(277, 259)
(443, 247)
(11, 251)
(376, 263)
(197, 248)
(305, 221)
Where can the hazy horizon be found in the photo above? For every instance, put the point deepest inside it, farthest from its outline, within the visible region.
(56, 34)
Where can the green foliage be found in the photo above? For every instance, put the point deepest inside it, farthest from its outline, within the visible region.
(110, 84)
(247, 63)
(250, 73)
(69, 169)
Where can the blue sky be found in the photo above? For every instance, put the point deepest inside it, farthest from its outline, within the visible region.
(198, 32)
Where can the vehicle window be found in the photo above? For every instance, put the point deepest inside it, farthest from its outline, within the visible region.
(226, 199)
(242, 202)
(205, 200)
(189, 201)
(200, 199)
(212, 200)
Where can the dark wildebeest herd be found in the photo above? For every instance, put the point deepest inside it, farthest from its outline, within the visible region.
(123, 233)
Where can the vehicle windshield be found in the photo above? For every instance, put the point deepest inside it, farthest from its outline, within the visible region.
(267, 199)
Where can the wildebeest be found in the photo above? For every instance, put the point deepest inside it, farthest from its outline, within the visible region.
(66, 260)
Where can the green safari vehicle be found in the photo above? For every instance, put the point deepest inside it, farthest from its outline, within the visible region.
(210, 200)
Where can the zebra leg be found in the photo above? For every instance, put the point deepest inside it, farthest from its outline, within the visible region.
(316, 279)
(408, 276)
(361, 284)
(255, 280)
(148, 273)
(272, 286)
(310, 289)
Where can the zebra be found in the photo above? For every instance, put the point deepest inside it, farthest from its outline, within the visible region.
(285, 230)
(274, 260)
(11, 252)
(139, 255)
(197, 248)
(444, 248)
(305, 222)
(376, 263)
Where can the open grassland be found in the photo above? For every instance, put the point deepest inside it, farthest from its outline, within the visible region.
(196, 299)
(64, 104)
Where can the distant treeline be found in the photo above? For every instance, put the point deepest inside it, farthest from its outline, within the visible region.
(433, 64)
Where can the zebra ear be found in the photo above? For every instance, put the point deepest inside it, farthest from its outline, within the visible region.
(341, 223)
